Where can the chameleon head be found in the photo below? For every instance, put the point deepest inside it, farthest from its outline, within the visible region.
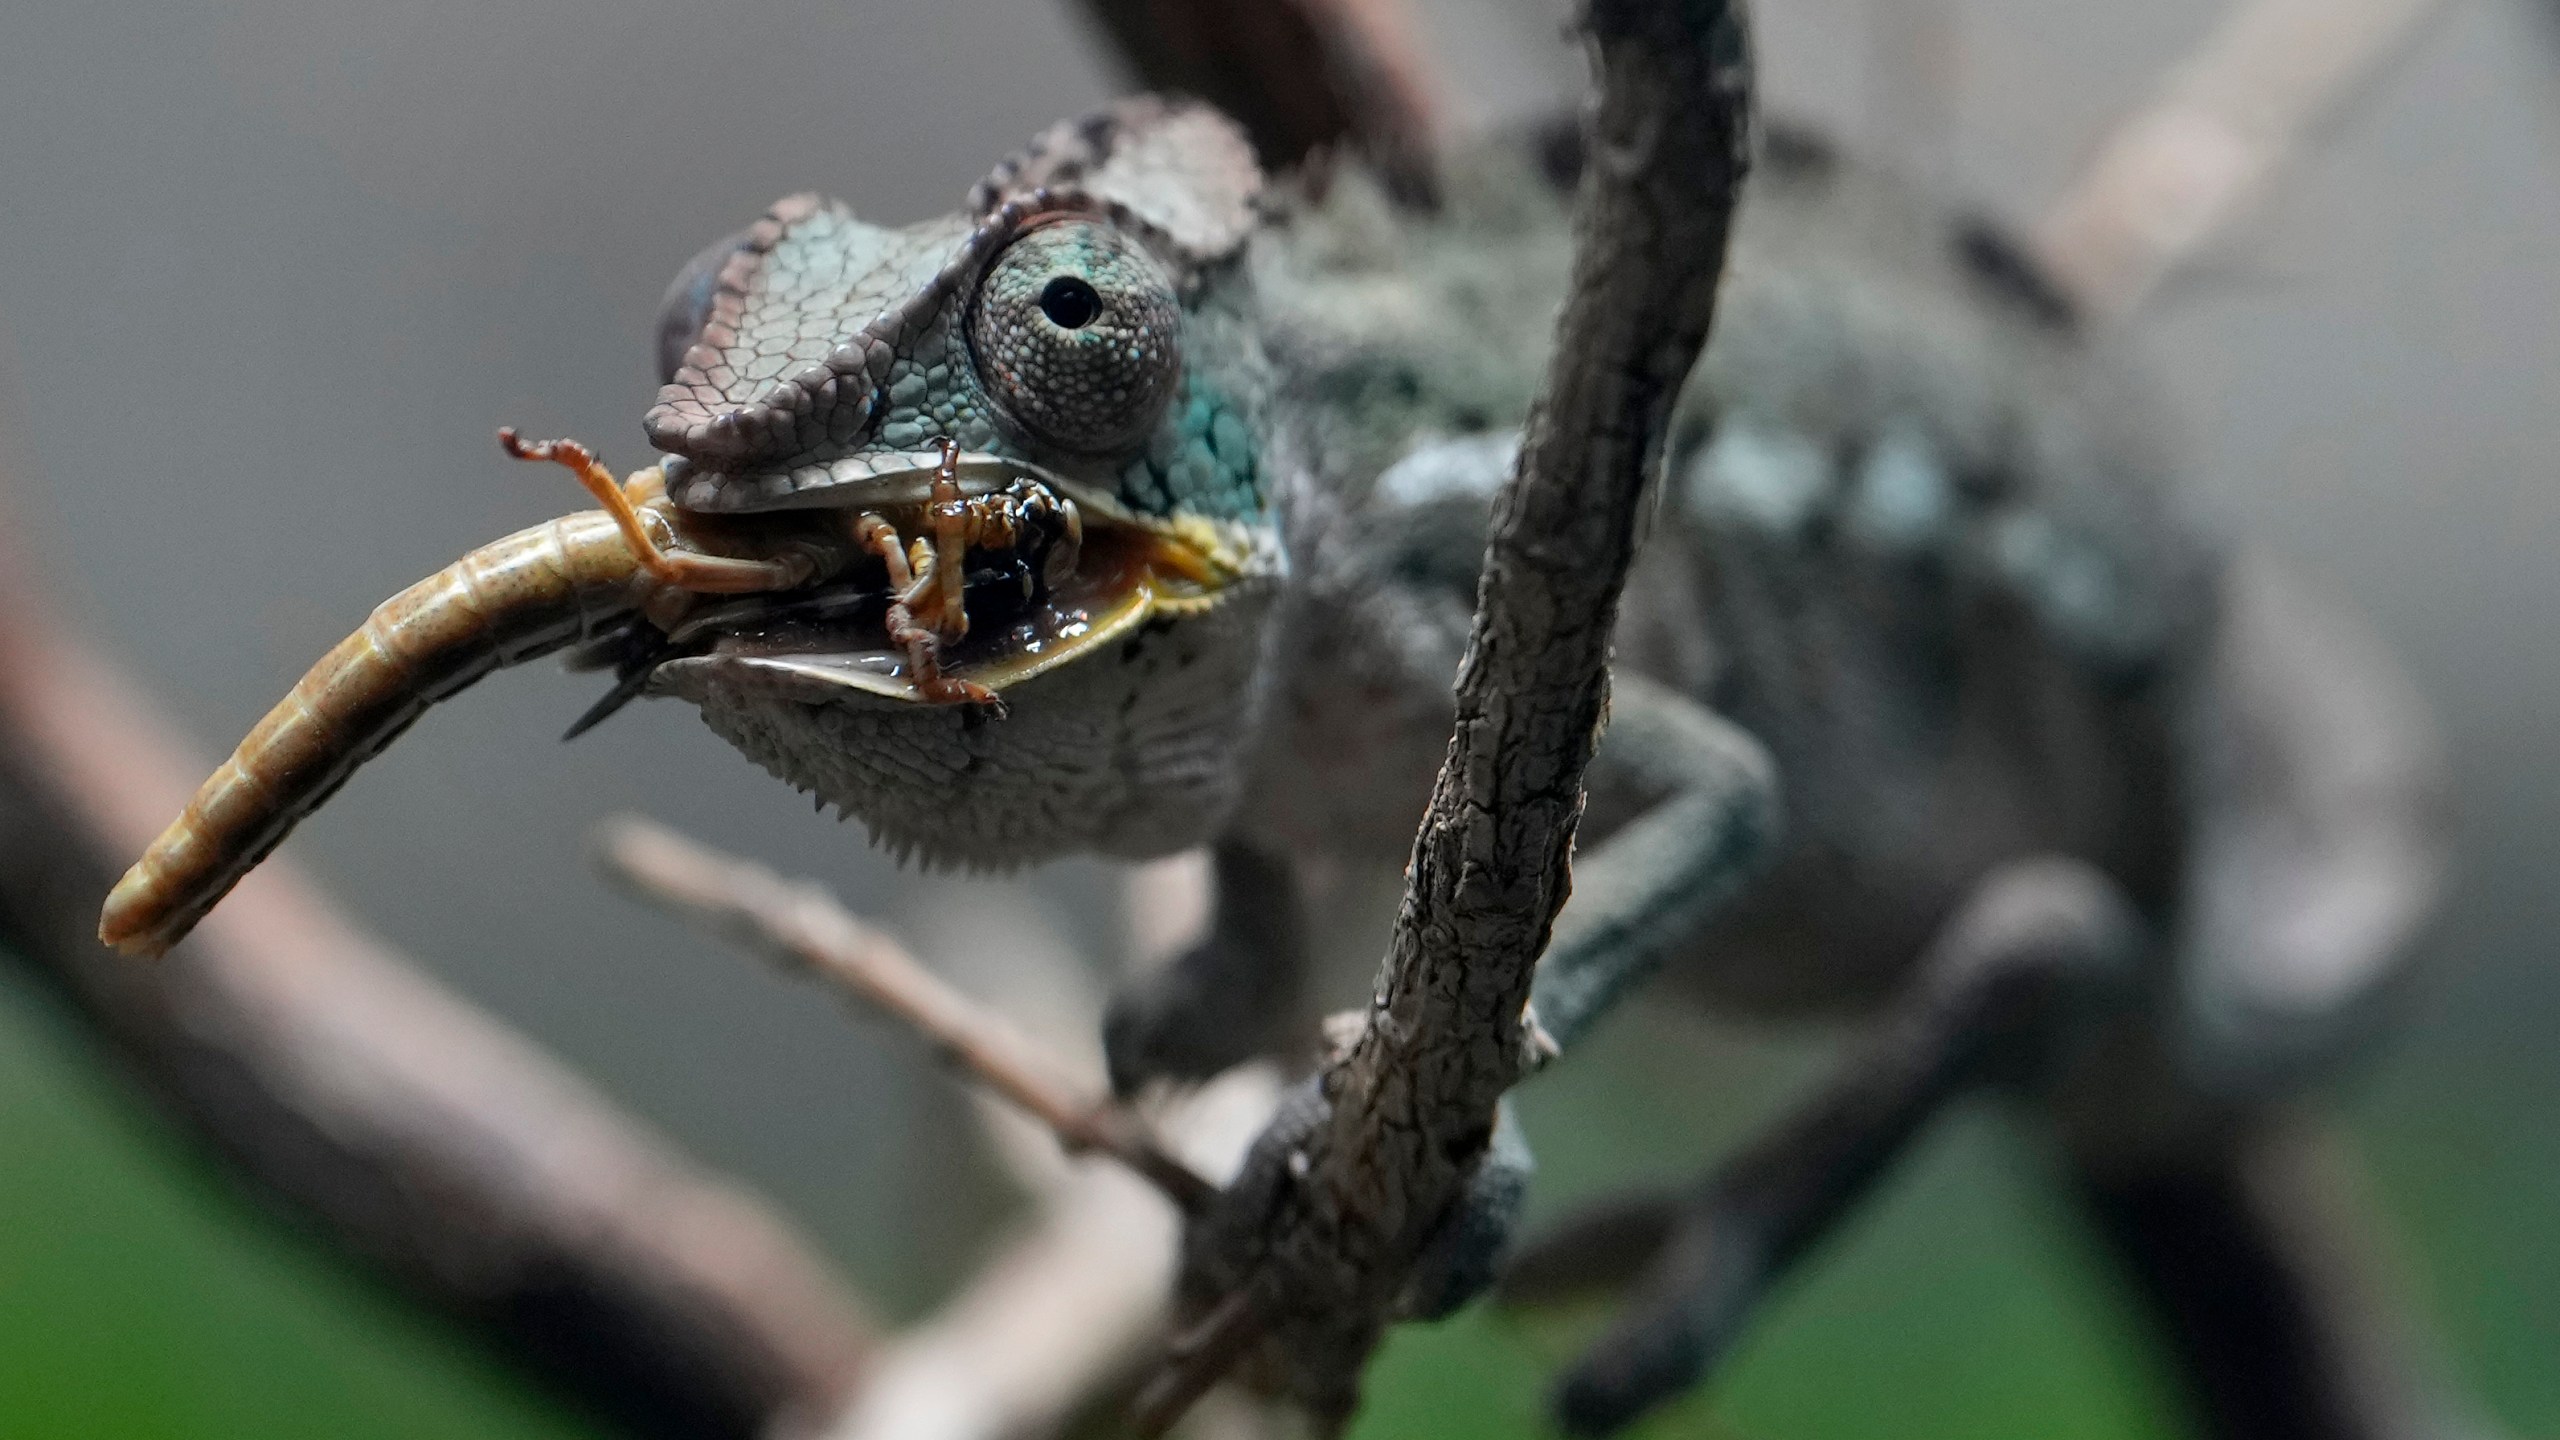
(1072, 360)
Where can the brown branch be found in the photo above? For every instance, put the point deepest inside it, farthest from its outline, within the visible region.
(802, 927)
(2174, 178)
(1053, 1328)
(1300, 75)
(1411, 1106)
(1057, 1323)
(400, 1123)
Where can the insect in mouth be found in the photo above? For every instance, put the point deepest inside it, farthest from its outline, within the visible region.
(940, 600)
(1019, 450)
(928, 576)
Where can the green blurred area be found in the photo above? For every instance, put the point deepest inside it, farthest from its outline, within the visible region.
(142, 1295)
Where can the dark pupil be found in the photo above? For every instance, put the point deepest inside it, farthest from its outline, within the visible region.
(1069, 303)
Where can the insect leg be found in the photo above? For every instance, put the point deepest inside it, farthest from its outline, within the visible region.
(682, 569)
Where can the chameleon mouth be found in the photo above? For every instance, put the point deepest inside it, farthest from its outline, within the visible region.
(1048, 571)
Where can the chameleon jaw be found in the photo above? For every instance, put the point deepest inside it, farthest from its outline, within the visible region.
(1023, 611)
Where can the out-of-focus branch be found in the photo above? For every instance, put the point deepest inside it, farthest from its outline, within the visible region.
(803, 927)
(386, 1113)
(2173, 179)
(1914, 82)
(1051, 1330)
(1059, 1317)
(1300, 75)
(2275, 1296)
(2034, 940)
(1411, 1107)
(1063, 1317)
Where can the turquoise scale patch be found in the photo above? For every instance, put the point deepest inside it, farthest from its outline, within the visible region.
(1201, 459)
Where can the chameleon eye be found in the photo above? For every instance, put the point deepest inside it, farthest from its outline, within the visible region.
(1069, 303)
(1078, 335)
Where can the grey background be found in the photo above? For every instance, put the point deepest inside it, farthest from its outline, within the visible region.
(276, 269)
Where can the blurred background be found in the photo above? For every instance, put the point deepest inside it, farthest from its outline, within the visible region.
(276, 269)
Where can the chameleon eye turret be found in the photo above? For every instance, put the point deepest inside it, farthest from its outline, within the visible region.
(1078, 336)
(910, 478)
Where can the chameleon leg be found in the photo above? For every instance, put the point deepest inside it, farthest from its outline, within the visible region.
(1708, 817)
(1708, 808)
(2318, 849)
(682, 569)
(1705, 806)
(1228, 998)
(1999, 988)
(1466, 1256)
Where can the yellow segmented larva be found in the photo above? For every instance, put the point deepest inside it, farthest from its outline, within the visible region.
(531, 594)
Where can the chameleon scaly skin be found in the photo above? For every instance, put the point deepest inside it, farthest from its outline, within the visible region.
(1087, 323)
(1914, 567)
(1915, 634)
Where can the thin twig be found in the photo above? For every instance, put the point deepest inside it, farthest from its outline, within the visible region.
(804, 927)
(1054, 1325)
(1327, 1245)
(2172, 180)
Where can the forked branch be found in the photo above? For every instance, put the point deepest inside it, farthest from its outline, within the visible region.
(1318, 1261)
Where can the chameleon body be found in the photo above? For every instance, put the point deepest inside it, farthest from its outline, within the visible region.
(1915, 630)
(1923, 683)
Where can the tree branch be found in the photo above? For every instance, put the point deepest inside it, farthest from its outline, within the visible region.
(803, 927)
(1300, 75)
(2275, 1296)
(2172, 179)
(402, 1124)
(1058, 1321)
(1356, 1195)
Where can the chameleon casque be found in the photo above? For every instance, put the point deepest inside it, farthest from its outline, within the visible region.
(1139, 506)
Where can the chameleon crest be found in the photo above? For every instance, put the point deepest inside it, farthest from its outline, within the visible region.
(1081, 331)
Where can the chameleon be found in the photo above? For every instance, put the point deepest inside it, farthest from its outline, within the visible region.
(1138, 506)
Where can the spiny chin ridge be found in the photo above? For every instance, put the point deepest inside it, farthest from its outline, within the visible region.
(909, 847)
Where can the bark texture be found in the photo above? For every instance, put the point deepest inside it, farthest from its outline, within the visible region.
(1321, 1256)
